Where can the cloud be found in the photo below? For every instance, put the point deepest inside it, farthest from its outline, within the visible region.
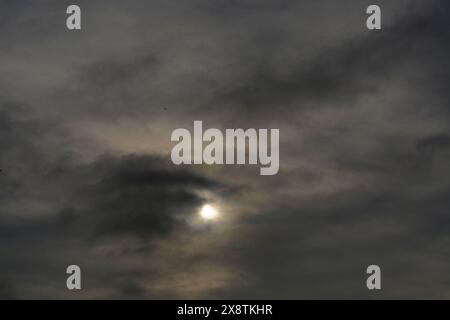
(340, 73)
(136, 195)
(434, 143)
(6, 290)
(58, 210)
(364, 125)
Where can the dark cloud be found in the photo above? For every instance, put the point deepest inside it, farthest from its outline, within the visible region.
(85, 122)
(434, 143)
(133, 199)
(117, 196)
(136, 196)
(340, 73)
(6, 290)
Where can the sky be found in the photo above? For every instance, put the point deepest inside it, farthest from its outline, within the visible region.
(85, 123)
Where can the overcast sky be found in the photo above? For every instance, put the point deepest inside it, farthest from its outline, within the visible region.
(85, 124)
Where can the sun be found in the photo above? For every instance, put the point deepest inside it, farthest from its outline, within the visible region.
(208, 212)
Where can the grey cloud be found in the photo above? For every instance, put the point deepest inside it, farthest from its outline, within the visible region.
(434, 143)
(341, 73)
(138, 196)
(6, 290)
(116, 196)
(364, 126)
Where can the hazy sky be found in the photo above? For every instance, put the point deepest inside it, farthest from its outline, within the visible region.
(85, 124)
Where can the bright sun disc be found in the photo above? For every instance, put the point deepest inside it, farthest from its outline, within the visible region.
(208, 212)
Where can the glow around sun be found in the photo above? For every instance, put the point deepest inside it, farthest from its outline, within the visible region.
(208, 212)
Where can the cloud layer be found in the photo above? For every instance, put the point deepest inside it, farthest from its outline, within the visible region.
(85, 123)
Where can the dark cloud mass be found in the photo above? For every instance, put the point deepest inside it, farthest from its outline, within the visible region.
(136, 195)
(86, 176)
